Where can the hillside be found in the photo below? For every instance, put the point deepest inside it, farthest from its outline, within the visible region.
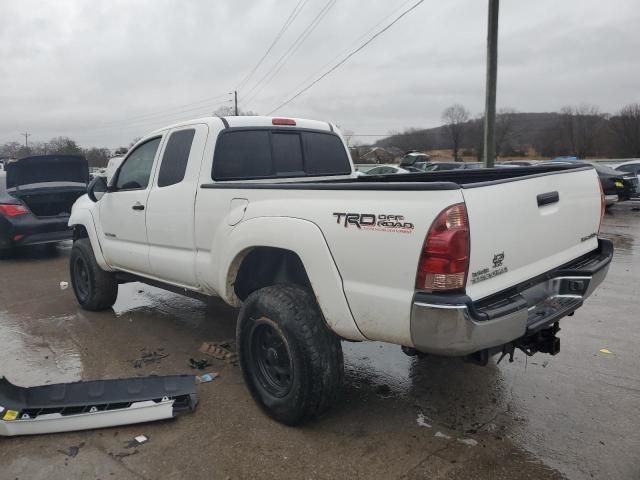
(524, 130)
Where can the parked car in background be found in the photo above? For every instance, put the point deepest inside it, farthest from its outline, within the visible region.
(112, 166)
(439, 166)
(415, 161)
(630, 169)
(36, 196)
(516, 163)
(616, 186)
(386, 170)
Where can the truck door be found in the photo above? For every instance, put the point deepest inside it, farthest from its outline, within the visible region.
(170, 209)
(122, 210)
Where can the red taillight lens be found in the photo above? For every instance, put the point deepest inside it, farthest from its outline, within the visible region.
(444, 261)
(602, 205)
(283, 121)
(12, 210)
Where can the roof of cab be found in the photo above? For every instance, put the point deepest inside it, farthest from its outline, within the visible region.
(251, 121)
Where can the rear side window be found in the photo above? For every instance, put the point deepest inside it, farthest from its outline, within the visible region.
(242, 154)
(629, 168)
(264, 153)
(325, 155)
(175, 158)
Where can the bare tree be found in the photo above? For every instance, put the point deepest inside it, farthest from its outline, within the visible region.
(626, 126)
(581, 127)
(229, 111)
(454, 118)
(505, 122)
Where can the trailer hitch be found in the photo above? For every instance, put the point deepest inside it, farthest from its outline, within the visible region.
(543, 341)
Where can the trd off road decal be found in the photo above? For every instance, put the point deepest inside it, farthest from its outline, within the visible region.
(375, 222)
(487, 273)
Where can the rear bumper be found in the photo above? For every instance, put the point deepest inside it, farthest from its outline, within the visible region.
(30, 230)
(457, 326)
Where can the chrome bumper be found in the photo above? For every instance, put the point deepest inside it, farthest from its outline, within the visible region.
(465, 327)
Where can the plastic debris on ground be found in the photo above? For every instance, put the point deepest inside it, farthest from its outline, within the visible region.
(141, 439)
(220, 351)
(149, 357)
(64, 285)
(206, 378)
(422, 421)
(468, 441)
(605, 350)
(199, 364)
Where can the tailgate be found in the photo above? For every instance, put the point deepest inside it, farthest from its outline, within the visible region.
(528, 226)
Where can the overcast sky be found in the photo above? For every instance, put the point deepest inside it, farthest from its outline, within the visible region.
(103, 72)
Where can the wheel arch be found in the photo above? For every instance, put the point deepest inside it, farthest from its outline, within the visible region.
(270, 250)
(83, 225)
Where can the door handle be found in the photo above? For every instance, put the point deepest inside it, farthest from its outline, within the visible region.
(548, 198)
(138, 206)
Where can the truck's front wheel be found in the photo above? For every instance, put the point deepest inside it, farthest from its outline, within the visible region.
(291, 362)
(95, 289)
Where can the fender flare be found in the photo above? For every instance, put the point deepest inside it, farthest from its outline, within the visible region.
(305, 239)
(84, 217)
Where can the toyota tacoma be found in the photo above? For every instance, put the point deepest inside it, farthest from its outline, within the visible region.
(268, 214)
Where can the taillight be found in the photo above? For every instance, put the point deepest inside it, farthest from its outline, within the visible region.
(444, 261)
(602, 205)
(12, 210)
(283, 121)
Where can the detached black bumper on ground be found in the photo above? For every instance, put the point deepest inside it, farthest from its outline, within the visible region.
(67, 407)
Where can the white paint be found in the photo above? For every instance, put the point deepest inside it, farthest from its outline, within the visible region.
(139, 412)
(196, 238)
(422, 421)
(470, 442)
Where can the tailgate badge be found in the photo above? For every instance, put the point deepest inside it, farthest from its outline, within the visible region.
(490, 272)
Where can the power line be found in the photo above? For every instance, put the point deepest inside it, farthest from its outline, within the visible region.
(172, 110)
(346, 50)
(341, 62)
(164, 118)
(273, 71)
(292, 16)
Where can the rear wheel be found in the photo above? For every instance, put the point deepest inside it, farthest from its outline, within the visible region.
(291, 362)
(94, 288)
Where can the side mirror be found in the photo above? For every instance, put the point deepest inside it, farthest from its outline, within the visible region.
(97, 188)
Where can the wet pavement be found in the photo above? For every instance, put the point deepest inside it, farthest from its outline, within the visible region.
(575, 415)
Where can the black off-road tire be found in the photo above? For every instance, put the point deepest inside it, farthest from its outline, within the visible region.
(288, 318)
(94, 288)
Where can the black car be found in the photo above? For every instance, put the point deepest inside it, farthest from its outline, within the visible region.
(36, 195)
(440, 166)
(615, 186)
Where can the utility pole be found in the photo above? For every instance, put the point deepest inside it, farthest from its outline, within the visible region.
(492, 80)
(235, 99)
(26, 136)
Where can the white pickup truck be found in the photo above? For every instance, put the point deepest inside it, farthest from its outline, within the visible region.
(268, 214)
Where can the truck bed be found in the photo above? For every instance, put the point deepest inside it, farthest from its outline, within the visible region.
(444, 180)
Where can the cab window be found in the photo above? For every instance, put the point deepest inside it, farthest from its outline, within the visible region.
(135, 171)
